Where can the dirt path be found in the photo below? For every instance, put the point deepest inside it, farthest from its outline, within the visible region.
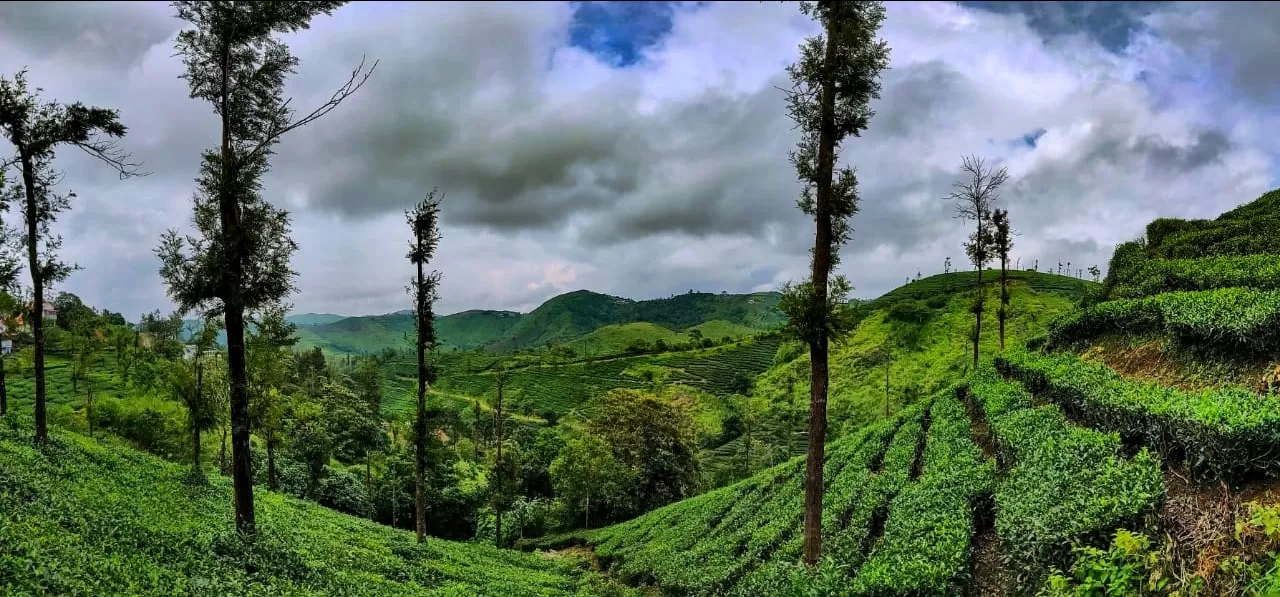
(990, 578)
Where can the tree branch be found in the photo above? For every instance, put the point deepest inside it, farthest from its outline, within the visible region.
(110, 153)
(354, 83)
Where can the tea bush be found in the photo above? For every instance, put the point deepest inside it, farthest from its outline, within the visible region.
(1152, 277)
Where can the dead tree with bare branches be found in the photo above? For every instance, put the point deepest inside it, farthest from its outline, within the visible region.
(974, 199)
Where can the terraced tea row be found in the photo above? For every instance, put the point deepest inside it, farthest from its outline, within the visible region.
(1220, 433)
(1062, 484)
(1232, 318)
(745, 538)
(884, 532)
(1149, 277)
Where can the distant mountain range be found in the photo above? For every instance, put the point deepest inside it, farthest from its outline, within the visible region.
(561, 319)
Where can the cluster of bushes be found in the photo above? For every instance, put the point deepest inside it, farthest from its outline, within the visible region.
(1229, 318)
(1218, 433)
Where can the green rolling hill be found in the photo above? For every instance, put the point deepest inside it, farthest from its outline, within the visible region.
(563, 319)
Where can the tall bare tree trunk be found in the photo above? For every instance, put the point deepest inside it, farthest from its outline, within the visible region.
(420, 419)
(241, 460)
(497, 525)
(233, 277)
(813, 486)
(4, 389)
(977, 309)
(37, 293)
(1004, 297)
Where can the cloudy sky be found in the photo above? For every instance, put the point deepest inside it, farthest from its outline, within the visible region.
(639, 149)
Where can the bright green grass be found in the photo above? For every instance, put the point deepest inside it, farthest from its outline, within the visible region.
(719, 328)
(79, 518)
(942, 358)
(614, 339)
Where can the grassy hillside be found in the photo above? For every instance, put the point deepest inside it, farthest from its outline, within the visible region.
(614, 339)
(926, 326)
(577, 313)
(81, 518)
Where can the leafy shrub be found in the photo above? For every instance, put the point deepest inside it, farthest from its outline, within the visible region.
(1128, 567)
(909, 311)
(1218, 433)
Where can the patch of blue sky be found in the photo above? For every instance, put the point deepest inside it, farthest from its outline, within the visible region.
(619, 32)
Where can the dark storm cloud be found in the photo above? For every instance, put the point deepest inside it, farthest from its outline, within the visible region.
(1237, 39)
(115, 34)
(1111, 24)
(1208, 147)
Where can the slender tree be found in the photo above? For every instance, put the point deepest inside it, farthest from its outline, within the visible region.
(500, 382)
(423, 221)
(10, 267)
(1095, 272)
(240, 261)
(834, 81)
(974, 199)
(36, 129)
(1003, 243)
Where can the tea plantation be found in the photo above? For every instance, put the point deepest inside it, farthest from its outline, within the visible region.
(83, 518)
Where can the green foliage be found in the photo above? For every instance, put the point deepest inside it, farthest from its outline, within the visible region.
(83, 518)
(807, 316)
(1065, 485)
(655, 440)
(1219, 433)
(586, 470)
(1129, 566)
(1229, 318)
